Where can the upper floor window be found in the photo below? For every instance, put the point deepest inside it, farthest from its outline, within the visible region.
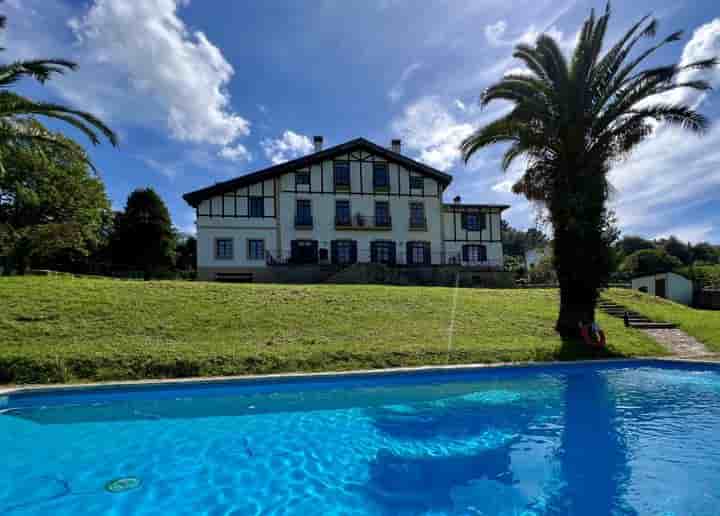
(223, 248)
(256, 249)
(342, 212)
(256, 207)
(302, 177)
(381, 178)
(303, 212)
(417, 182)
(382, 213)
(417, 215)
(473, 221)
(341, 172)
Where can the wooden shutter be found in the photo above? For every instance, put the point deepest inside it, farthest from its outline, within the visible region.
(428, 258)
(353, 252)
(465, 253)
(408, 253)
(373, 252)
(333, 251)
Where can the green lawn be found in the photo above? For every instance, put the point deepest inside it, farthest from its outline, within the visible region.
(64, 329)
(704, 325)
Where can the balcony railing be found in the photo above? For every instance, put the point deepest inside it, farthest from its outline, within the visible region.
(303, 222)
(418, 224)
(363, 222)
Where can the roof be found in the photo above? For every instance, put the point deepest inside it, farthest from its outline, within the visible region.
(681, 275)
(196, 197)
(476, 206)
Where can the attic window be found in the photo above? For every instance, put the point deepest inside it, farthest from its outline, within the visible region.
(341, 171)
(302, 177)
(416, 182)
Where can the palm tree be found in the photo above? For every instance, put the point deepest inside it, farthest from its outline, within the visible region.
(572, 120)
(16, 109)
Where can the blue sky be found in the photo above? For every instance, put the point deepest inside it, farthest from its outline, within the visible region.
(203, 91)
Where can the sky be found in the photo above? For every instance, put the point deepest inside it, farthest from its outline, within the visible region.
(203, 91)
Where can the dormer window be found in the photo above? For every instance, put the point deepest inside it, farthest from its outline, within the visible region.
(473, 221)
(341, 172)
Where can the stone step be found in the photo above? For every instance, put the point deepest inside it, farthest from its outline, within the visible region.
(653, 325)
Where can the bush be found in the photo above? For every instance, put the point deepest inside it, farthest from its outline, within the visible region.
(650, 261)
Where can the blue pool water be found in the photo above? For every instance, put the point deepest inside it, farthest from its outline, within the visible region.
(621, 438)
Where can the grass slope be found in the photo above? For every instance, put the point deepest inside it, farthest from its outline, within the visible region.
(64, 329)
(704, 325)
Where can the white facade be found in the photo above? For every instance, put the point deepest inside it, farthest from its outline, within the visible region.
(307, 208)
(535, 256)
(667, 285)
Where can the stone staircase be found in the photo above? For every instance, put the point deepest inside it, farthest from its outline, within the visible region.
(635, 320)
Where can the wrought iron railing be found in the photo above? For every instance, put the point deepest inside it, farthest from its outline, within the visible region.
(399, 257)
(359, 221)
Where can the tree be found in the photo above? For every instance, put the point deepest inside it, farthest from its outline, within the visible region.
(572, 120)
(186, 253)
(629, 244)
(52, 207)
(705, 253)
(516, 242)
(678, 249)
(15, 108)
(650, 261)
(144, 237)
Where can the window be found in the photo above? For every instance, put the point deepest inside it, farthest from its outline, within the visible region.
(303, 212)
(417, 183)
(381, 180)
(382, 213)
(341, 171)
(344, 251)
(257, 206)
(382, 252)
(473, 221)
(474, 253)
(418, 253)
(256, 249)
(302, 177)
(224, 248)
(417, 215)
(342, 213)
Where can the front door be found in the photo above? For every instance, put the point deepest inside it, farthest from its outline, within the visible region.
(660, 287)
(304, 251)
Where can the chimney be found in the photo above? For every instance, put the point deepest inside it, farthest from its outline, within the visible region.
(396, 146)
(318, 141)
(457, 199)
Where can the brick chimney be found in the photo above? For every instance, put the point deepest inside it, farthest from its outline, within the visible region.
(396, 146)
(318, 141)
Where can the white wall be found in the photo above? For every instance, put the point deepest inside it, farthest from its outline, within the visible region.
(677, 288)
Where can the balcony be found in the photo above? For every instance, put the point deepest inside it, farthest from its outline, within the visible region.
(364, 222)
(303, 222)
(418, 224)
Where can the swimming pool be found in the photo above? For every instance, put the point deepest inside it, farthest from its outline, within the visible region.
(625, 437)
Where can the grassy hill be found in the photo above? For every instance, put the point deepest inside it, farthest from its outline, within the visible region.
(64, 329)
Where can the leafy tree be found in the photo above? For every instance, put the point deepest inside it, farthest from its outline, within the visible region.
(52, 208)
(705, 253)
(678, 249)
(516, 242)
(629, 244)
(186, 253)
(650, 261)
(144, 237)
(15, 108)
(572, 119)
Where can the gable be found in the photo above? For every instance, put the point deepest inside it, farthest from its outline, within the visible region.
(358, 149)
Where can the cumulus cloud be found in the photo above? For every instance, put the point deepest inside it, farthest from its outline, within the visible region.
(495, 32)
(398, 90)
(289, 146)
(430, 130)
(237, 153)
(139, 63)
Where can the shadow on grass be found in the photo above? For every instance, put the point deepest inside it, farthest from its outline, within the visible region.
(577, 349)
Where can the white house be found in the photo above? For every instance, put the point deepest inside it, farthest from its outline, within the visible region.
(535, 256)
(354, 202)
(668, 285)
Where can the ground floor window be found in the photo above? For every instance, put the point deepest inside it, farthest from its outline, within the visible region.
(304, 251)
(256, 249)
(382, 252)
(223, 248)
(418, 253)
(474, 253)
(344, 251)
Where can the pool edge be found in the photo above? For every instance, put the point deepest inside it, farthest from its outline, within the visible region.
(5, 392)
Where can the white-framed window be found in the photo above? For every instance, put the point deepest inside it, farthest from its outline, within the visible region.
(256, 249)
(474, 253)
(223, 248)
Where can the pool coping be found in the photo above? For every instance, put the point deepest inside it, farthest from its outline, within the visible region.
(201, 380)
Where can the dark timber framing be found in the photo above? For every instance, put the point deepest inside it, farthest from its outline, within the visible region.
(460, 234)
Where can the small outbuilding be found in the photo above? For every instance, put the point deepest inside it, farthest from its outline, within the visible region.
(668, 285)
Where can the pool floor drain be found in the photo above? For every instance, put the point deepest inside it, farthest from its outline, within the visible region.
(120, 485)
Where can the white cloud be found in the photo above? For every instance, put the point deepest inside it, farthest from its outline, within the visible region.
(460, 105)
(689, 233)
(237, 153)
(398, 89)
(495, 32)
(289, 146)
(139, 64)
(429, 129)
